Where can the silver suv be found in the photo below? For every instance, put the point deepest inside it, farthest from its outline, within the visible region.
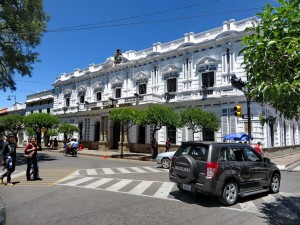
(226, 170)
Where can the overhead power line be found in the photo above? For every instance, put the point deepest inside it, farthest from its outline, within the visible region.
(143, 15)
(151, 21)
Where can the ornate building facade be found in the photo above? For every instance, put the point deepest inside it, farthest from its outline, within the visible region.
(195, 70)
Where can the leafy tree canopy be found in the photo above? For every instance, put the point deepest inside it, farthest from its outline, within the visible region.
(12, 123)
(159, 116)
(196, 119)
(126, 116)
(37, 121)
(68, 130)
(21, 25)
(272, 58)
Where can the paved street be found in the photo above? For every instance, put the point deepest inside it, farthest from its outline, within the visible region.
(92, 190)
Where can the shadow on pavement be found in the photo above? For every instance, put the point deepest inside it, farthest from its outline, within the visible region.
(284, 211)
(21, 160)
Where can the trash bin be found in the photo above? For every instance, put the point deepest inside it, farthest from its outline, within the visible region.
(80, 146)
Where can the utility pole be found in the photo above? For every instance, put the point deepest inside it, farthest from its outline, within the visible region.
(240, 85)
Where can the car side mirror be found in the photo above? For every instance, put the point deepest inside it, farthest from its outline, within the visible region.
(267, 160)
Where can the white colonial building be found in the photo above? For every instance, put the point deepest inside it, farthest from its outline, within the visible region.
(192, 71)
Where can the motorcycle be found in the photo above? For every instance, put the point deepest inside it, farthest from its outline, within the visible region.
(71, 151)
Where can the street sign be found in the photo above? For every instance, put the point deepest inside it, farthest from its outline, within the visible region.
(245, 116)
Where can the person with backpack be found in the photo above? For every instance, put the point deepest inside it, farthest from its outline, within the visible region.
(9, 157)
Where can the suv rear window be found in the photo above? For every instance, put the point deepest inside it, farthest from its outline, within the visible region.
(197, 151)
(231, 154)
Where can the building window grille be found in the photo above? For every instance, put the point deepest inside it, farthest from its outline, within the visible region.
(172, 85)
(171, 134)
(81, 98)
(208, 79)
(67, 102)
(118, 93)
(208, 135)
(142, 89)
(98, 96)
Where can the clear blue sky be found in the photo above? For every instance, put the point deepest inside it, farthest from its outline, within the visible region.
(64, 51)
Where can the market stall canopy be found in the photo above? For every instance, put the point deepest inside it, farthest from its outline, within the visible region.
(237, 137)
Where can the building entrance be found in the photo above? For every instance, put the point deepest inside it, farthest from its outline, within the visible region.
(116, 135)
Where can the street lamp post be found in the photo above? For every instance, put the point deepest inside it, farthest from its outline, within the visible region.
(14, 96)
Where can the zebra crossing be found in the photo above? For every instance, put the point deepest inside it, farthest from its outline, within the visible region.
(118, 170)
(155, 189)
(282, 204)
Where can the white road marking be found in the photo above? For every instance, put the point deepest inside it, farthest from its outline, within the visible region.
(141, 187)
(119, 185)
(297, 168)
(249, 207)
(269, 199)
(138, 169)
(164, 190)
(79, 181)
(108, 171)
(91, 172)
(123, 170)
(98, 183)
(152, 169)
(18, 174)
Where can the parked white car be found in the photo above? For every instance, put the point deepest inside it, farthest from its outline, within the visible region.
(164, 159)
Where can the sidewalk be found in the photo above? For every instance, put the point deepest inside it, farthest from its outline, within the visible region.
(282, 162)
(109, 154)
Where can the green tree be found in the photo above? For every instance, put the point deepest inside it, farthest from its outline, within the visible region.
(159, 116)
(127, 117)
(22, 23)
(272, 58)
(68, 130)
(12, 123)
(196, 119)
(38, 122)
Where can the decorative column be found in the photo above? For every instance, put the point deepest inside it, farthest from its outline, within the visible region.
(103, 144)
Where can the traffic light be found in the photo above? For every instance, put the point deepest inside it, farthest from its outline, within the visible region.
(238, 111)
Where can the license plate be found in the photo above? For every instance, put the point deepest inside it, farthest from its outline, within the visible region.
(186, 187)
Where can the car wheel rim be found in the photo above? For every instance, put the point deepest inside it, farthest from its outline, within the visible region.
(275, 183)
(165, 163)
(231, 193)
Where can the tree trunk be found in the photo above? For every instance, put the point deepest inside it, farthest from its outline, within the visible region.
(122, 140)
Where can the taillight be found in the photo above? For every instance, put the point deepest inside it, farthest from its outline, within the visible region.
(211, 169)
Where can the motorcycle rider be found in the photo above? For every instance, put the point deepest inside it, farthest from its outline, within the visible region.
(74, 144)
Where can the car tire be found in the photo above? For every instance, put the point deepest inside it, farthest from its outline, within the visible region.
(229, 194)
(187, 169)
(275, 183)
(165, 163)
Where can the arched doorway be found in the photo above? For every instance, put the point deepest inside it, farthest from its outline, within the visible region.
(97, 131)
(116, 135)
(80, 126)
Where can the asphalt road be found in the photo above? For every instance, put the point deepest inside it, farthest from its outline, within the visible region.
(91, 190)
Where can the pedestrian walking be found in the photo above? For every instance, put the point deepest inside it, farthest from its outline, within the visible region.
(55, 143)
(9, 156)
(258, 149)
(154, 148)
(1, 143)
(51, 143)
(168, 145)
(31, 155)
